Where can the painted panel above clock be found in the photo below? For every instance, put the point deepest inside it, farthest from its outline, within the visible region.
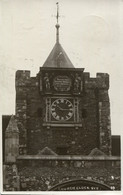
(61, 81)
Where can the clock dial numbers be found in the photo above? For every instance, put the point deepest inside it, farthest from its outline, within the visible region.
(62, 109)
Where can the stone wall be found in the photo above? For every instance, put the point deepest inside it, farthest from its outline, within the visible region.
(11, 179)
(41, 173)
(44, 178)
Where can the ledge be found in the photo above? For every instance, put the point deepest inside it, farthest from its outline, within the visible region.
(68, 157)
(62, 125)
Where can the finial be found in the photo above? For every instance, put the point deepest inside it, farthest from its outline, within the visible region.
(57, 25)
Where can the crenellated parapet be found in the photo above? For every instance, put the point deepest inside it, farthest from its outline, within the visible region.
(101, 81)
(24, 82)
(22, 78)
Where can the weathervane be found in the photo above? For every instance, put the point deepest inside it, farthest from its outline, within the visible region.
(57, 25)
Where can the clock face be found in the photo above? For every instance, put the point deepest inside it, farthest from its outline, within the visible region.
(62, 109)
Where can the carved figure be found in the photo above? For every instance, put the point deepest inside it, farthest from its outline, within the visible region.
(47, 82)
(77, 83)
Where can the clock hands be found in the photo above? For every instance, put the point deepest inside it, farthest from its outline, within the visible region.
(62, 108)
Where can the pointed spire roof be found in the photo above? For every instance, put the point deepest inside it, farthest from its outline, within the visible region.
(12, 125)
(58, 58)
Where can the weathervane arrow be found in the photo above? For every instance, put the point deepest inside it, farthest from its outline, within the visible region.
(57, 25)
(57, 16)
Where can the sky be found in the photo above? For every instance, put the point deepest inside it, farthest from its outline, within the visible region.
(90, 33)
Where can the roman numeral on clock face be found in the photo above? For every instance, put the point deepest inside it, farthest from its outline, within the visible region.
(62, 100)
(57, 117)
(54, 114)
(62, 118)
(70, 113)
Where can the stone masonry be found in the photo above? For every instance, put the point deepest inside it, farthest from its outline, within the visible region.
(94, 110)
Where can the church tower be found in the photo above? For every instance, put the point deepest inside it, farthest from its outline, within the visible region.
(62, 108)
(60, 136)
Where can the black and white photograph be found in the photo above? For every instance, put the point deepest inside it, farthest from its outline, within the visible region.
(60, 81)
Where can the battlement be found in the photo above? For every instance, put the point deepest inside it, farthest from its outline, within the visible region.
(100, 81)
(22, 73)
(22, 77)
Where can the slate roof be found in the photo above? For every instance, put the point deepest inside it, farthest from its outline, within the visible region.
(12, 125)
(58, 58)
(5, 121)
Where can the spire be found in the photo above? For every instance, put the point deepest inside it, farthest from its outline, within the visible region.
(57, 57)
(57, 24)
